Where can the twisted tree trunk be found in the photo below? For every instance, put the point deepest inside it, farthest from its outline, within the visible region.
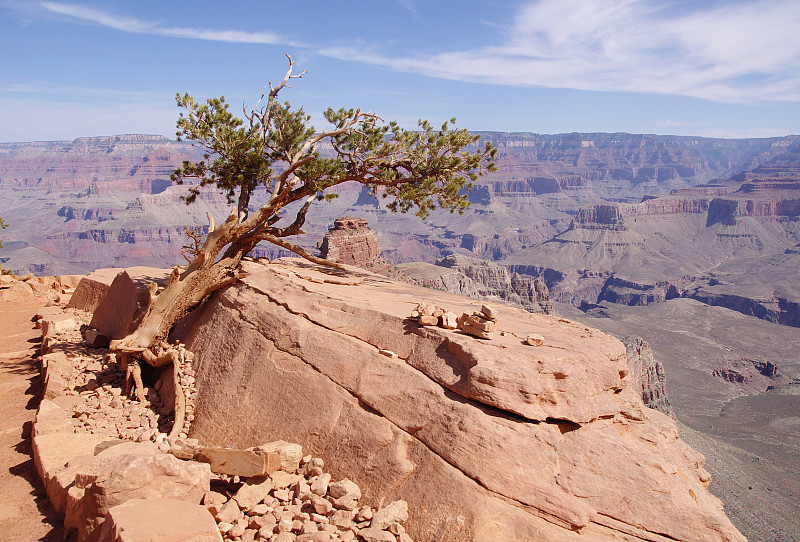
(204, 275)
(185, 291)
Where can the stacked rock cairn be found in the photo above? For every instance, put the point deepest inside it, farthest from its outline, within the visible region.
(481, 324)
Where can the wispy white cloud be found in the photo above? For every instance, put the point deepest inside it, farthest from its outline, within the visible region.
(137, 26)
(409, 5)
(78, 93)
(738, 52)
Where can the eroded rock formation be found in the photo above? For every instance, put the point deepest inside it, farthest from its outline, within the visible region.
(350, 241)
(471, 277)
(647, 375)
(485, 440)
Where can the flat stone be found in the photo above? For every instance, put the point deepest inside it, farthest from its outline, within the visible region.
(290, 454)
(229, 512)
(375, 535)
(253, 491)
(489, 311)
(51, 418)
(158, 520)
(244, 463)
(282, 479)
(52, 327)
(471, 329)
(425, 320)
(534, 340)
(395, 512)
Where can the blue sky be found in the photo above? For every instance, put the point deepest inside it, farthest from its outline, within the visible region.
(714, 68)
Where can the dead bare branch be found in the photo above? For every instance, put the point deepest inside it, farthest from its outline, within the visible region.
(300, 251)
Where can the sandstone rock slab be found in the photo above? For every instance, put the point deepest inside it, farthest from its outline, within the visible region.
(120, 477)
(304, 360)
(52, 452)
(126, 301)
(92, 289)
(158, 520)
(244, 463)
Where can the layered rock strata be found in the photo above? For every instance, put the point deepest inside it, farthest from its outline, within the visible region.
(486, 440)
(351, 242)
(471, 277)
(647, 375)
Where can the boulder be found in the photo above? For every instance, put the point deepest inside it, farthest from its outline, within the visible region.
(395, 512)
(126, 301)
(18, 292)
(131, 471)
(492, 439)
(95, 339)
(158, 520)
(534, 340)
(92, 289)
(350, 241)
(58, 456)
(253, 491)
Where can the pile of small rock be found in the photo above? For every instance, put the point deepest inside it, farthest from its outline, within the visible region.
(187, 382)
(96, 381)
(299, 507)
(481, 324)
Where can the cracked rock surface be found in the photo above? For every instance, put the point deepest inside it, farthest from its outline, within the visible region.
(485, 440)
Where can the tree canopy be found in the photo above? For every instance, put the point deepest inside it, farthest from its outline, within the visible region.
(276, 148)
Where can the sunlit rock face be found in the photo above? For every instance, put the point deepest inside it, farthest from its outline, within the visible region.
(485, 439)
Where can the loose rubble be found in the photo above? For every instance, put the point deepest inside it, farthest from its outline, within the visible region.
(301, 506)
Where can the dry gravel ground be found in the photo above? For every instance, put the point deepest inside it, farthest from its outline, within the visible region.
(25, 511)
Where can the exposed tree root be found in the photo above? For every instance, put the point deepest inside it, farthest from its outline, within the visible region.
(180, 402)
(133, 378)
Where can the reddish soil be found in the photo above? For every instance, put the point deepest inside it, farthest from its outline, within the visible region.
(25, 511)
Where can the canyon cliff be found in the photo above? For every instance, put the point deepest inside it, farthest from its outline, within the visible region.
(471, 277)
